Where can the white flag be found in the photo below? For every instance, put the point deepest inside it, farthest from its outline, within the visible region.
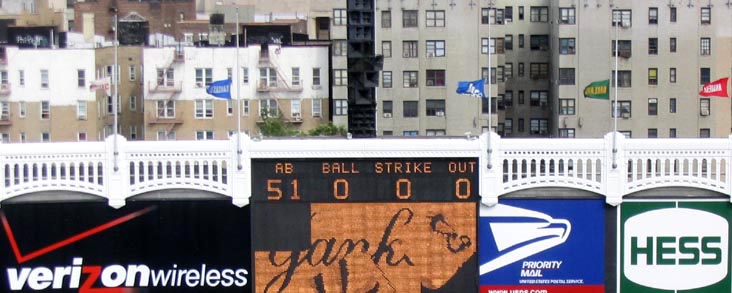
(102, 84)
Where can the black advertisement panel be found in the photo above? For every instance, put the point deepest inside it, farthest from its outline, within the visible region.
(145, 246)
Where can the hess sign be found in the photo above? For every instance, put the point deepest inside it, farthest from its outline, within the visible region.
(365, 179)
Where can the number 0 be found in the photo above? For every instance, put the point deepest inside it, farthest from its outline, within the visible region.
(340, 183)
(401, 194)
(464, 183)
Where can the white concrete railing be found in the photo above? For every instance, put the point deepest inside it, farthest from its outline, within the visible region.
(517, 164)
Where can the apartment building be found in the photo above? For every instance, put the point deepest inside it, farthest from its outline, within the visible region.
(129, 86)
(277, 81)
(45, 96)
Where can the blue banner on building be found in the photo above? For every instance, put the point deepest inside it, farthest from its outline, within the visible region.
(552, 245)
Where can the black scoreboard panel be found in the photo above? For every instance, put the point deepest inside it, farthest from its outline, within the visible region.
(365, 180)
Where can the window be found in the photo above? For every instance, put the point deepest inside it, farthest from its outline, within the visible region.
(521, 40)
(498, 44)
(316, 76)
(45, 110)
(539, 70)
(521, 13)
(566, 132)
(499, 74)
(435, 77)
(625, 48)
(165, 77)
(45, 137)
(4, 111)
(410, 109)
(484, 75)
(624, 109)
(296, 76)
(539, 14)
(268, 108)
(539, 98)
(166, 135)
(509, 70)
(487, 45)
(132, 72)
(245, 75)
(508, 99)
(706, 15)
(623, 17)
(229, 71)
(486, 15)
(508, 14)
(410, 133)
(204, 135)
(672, 16)
(5, 137)
(652, 107)
(539, 126)
(166, 109)
(317, 107)
(672, 45)
(705, 75)
(521, 125)
(672, 105)
(566, 107)
(4, 77)
(652, 46)
(521, 69)
(204, 109)
(81, 110)
(508, 126)
(509, 42)
(566, 76)
(341, 107)
(435, 18)
(204, 76)
(386, 77)
(521, 99)
(44, 78)
(80, 78)
(652, 15)
(435, 108)
(539, 42)
(624, 78)
(340, 77)
(435, 132)
(21, 109)
(652, 133)
(244, 107)
(81, 136)
(704, 109)
(704, 133)
(409, 18)
(566, 15)
(706, 46)
(386, 49)
(133, 132)
(229, 107)
(672, 75)
(409, 49)
(672, 132)
(566, 46)
(410, 78)
(21, 77)
(388, 108)
(652, 76)
(339, 17)
(435, 48)
(340, 48)
(295, 109)
(386, 18)
(267, 77)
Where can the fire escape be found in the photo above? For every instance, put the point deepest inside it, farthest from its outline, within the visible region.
(275, 81)
(165, 84)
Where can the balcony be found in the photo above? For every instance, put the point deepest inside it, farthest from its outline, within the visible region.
(164, 87)
(160, 118)
(266, 86)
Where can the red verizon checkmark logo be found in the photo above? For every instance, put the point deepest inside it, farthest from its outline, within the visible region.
(74, 238)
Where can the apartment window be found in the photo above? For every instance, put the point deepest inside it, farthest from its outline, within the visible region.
(387, 79)
(624, 78)
(484, 75)
(410, 109)
(388, 108)
(652, 15)
(386, 18)
(652, 46)
(341, 107)
(435, 108)
(45, 137)
(81, 136)
(706, 15)
(229, 107)
(508, 126)
(566, 46)
(509, 42)
(539, 70)
(245, 107)
(705, 75)
(340, 77)
(409, 49)
(509, 70)
(435, 77)
(566, 76)
(204, 135)
(521, 99)
(316, 76)
(704, 108)
(165, 77)
(624, 109)
(45, 110)
(133, 132)
(340, 48)
(508, 14)
(539, 98)
(672, 132)
(566, 15)
(81, 110)
(672, 15)
(4, 77)
(21, 109)
(409, 18)
(166, 135)
(652, 133)
(498, 16)
(339, 17)
(521, 13)
(21, 77)
(132, 72)
(435, 18)
(410, 133)
(521, 40)
(410, 78)
(435, 48)
(508, 99)
(566, 107)
(44, 78)
(386, 49)
(521, 125)
(4, 110)
(539, 126)
(704, 133)
(296, 76)
(623, 17)
(268, 108)
(5, 137)
(487, 45)
(81, 78)
(166, 109)
(566, 133)
(539, 14)
(486, 15)
(435, 132)
(652, 107)
(672, 105)
(539, 42)
(521, 69)
(204, 109)
(245, 75)
(706, 46)
(499, 45)
(499, 74)
(652, 76)
(204, 76)
(229, 73)
(672, 45)
(625, 46)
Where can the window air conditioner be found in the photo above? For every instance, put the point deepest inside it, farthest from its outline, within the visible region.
(199, 84)
(430, 55)
(387, 115)
(705, 112)
(440, 114)
(625, 115)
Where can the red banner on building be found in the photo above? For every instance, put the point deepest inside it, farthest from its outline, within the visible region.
(717, 88)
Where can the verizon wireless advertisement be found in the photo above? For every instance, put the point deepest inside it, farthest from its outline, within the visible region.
(145, 246)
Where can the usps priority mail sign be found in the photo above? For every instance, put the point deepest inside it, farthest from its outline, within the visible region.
(675, 246)
(548, 246)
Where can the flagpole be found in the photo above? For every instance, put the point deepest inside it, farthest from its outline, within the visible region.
(490, 104)
(115, 96)
(615, 85)
(238, 97)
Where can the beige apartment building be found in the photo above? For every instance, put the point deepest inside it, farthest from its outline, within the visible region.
(130, 110)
